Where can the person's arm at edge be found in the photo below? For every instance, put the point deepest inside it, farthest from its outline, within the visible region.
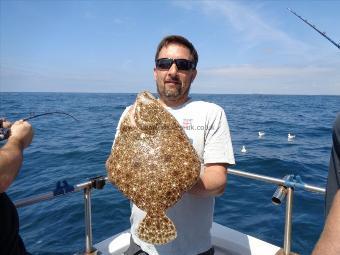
(212, 182)
(328, 243)
(11, 154)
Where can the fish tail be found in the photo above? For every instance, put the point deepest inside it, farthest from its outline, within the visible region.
(156, 229)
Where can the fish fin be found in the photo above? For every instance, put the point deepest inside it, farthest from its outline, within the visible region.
(156, 229)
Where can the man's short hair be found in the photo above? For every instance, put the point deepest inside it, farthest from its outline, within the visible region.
(177, 39)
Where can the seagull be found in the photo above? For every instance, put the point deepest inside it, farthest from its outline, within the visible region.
(243, 149)
(261, 134)
(290, 136)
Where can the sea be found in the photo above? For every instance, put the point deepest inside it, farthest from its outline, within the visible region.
(76, 150)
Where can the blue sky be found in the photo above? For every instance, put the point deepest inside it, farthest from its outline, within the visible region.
(109, 46)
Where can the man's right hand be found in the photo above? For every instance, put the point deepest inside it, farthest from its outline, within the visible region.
(22, 132)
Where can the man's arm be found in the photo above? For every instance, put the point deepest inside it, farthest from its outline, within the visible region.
(212, 182)
(328, 243)
(11, 154)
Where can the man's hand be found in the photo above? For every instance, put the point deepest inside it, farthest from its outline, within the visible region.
(22, 132)
(212, 182)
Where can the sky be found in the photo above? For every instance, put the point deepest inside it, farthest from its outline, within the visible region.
(104, 46)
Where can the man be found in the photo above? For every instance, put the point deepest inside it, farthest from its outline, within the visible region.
(207, 128)
(11, 157)
(328, 243)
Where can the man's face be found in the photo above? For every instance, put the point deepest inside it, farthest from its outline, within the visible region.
(173, 85)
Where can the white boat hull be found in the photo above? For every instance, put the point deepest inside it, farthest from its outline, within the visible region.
(226, 241)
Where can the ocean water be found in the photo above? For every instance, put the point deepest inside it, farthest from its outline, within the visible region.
(65, 149)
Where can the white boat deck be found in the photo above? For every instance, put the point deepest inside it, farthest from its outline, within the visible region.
(226, 241)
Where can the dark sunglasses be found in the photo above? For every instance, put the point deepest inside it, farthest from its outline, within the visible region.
(182, 64)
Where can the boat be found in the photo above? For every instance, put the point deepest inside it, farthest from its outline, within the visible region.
(225, 240)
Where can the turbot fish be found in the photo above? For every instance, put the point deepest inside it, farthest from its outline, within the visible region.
(152, 163)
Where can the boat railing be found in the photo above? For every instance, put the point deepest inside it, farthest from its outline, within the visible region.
(285, 189)
(63, 188)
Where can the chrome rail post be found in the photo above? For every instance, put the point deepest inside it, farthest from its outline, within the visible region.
(288, 222)
(89, 249)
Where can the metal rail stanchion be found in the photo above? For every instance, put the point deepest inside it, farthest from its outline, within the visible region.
(89, 249)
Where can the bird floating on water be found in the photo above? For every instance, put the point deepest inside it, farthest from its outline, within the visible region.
(290, 136)
(243, 150)
(261, 134)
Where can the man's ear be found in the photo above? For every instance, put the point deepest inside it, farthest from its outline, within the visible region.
(193, 75)
(154, 73)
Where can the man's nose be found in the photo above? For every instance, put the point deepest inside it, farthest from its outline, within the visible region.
(173, 69)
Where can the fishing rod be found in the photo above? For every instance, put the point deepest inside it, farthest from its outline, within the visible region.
(5, 132)
(47, 113)
(312, 26)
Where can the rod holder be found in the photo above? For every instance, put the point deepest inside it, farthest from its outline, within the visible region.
(281, 191)
(279, 195)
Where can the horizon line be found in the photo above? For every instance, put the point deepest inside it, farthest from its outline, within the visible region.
(194, 93)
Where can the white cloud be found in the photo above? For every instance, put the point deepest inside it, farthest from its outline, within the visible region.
(303, 80)
(88, 14)
(247, 21)
(118, 21)
(261, 72)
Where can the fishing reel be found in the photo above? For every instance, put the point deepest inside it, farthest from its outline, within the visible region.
(4, 132)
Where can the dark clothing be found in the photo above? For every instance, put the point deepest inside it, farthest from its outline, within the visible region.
(10, 240)
(333, 183)
(134, 249)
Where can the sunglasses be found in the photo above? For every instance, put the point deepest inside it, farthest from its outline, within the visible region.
(182, 64)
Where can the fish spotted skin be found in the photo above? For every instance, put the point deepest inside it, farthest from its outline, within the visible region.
(153, 163)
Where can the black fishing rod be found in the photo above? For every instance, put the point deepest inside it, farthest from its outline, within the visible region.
(47, 113)
(5, 132)
(312, 26)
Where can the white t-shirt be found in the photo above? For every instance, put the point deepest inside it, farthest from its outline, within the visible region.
(207, 128)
